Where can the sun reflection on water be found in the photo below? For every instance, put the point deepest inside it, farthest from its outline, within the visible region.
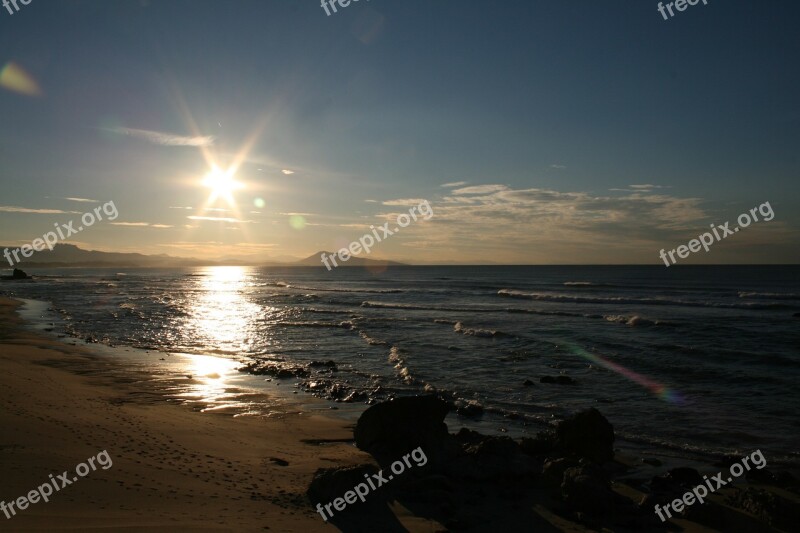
(221, 316)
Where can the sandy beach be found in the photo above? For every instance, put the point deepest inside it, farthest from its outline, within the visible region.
(173, 468)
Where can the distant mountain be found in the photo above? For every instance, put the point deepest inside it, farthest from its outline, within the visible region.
(315, 260)
(69, 255)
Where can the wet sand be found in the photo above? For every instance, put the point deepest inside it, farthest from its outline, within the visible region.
(174, 468)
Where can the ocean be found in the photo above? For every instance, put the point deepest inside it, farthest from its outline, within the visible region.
(691, 360)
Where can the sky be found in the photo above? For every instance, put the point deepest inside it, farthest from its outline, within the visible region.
(539, 131)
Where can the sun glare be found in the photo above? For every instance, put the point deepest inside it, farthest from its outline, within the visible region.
(222, 185)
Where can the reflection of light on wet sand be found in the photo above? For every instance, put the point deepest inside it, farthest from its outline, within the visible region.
(214, 384)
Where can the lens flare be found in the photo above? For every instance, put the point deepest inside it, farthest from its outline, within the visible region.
(14, 78)
(297, 222)
(659, 390)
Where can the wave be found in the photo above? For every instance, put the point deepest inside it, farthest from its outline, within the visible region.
(370, 340)
(636, 320)
(315, 324)
(472, 332)
(769, 295)
(511, 293)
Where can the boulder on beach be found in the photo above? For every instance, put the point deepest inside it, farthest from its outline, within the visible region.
(587, 434)
(391, 429)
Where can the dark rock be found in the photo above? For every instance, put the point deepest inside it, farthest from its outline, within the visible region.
(686, 477)
(331, 483)
(324, 364)
(275, 370)
(587, 434)
(543, 443)
(771, 508)
(651, 461)
(553, 471)
(527, 383)
(586, 490)
(391, 429)
(19, 274)
(470, 409)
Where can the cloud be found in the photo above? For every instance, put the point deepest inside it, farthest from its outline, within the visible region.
(218, 219)
(480, 189)
(454, 184)
(287, 172)
(178, 207)
(14, 209)
(404, 201)
(371, 201)
(166, 139)
(87, 200)
(141, 225)
(648, 186)
(558, 167)
(298, 214)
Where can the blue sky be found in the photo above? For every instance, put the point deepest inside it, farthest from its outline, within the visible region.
(525, 124)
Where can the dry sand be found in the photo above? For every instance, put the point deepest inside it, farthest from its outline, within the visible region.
(174, 468)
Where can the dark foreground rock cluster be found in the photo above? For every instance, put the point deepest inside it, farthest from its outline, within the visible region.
(473, 482)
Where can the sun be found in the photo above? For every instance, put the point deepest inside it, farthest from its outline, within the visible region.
(222, 185)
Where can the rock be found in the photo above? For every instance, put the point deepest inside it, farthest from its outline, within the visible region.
(651, 461)
(543, 443)
(271, 369)
(527, 383)
(19, 274)
(553, 471)
(586, 490)
(330, 483)
(331, 365)
(771, 508)
(587, 434)
(470, 409)
(392, 429)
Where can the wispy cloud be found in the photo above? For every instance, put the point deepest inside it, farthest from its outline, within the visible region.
(15, 209)
(287, 172)
(141, 225)
(87, 200)
(166, 139)
(480, 189)
(297, 214)
(648, 186)
(218, 219)
(454, 184)
(404, 201)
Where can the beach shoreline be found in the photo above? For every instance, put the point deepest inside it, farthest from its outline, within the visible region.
(173, 467)
(185, 463)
